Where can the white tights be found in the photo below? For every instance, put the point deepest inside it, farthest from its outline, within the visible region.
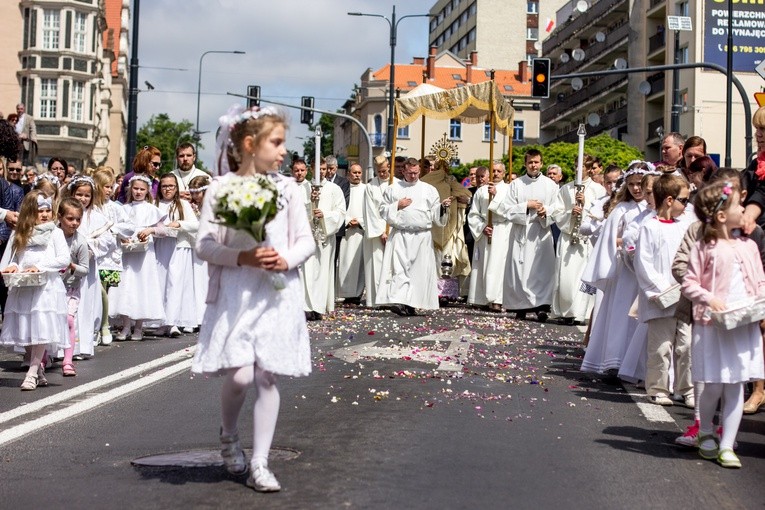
(265, 411)
(732, 409)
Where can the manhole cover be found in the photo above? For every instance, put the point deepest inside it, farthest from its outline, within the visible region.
(204, 458)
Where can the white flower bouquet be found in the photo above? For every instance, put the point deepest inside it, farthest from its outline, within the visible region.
(248, 204)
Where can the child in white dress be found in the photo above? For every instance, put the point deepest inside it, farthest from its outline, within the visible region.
(252, 331)
(35, 316)
(175, 262)
(197, 188)
(136, 298)
(724, 268)
(70, 213)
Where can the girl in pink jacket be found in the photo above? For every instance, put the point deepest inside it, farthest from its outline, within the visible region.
(723, 269)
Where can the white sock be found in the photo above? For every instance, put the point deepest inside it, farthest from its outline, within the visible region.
(265, 414)
(732, 412)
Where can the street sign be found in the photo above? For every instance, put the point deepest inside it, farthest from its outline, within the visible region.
(760, 98)
(760, 69)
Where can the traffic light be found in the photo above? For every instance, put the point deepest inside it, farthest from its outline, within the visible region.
(253, 91)
(540, 77)
(306, 116)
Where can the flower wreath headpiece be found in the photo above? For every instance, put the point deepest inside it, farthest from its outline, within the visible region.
(635, 168)
(79, 180)
(141, 177)
(48, 177)
(235, 115)
(198, 190)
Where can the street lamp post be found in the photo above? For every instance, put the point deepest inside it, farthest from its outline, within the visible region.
(393, 24)
(199, 82)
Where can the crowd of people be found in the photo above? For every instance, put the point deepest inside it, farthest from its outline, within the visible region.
(649, 257)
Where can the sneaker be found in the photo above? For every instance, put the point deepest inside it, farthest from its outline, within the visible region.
(727, 459)
(263, 480)
(708, 448)
(188, 331)
(41, 380)
(232, 454)
(106, 338)
(690, 437)
(661, 399)
(689, 401)
(175, 332)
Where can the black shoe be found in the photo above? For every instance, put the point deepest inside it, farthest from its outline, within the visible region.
(410, 311)
(542, 316)
(399, 310)
(567, 321)
(352, 301)
(521, 316)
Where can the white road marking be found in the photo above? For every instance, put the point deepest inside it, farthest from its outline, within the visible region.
(94, 385)
(652, 412)
(18, 431)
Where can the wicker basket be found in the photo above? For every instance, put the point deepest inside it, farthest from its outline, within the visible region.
(669, 297)
(25, 279)
(740, 314)
(135, 246)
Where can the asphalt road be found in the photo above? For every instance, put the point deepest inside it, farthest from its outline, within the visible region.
(488, 413)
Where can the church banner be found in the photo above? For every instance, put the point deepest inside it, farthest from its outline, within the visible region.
(748, 26)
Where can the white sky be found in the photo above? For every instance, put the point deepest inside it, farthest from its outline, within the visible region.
(293, 48)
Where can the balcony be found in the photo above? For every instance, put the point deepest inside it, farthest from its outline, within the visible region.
(595, 51)
(657, 82)
(593, 15)
(378, 139)
(591, 91)
(611, 120)
(657, 42)
(653, 126)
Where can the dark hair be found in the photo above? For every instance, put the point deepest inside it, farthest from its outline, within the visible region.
(10, 144)
(176, 205)
(59, 160)
(297, 160)
(532, 153)
(412, 162)
(185, 145)
(703, 164)
(71, 203)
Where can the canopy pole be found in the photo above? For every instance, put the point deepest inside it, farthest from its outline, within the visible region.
(422, 134)
(491, 147)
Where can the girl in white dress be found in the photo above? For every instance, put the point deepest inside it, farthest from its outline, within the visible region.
(252, 331)
(109, 262)
(35, 316)
(197, 188)
(724, 268)
(136, 298)
(175, 262)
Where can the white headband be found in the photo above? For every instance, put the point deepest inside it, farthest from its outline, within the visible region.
(44, 202)
(197, 190)
(141, 177)
(79, 180)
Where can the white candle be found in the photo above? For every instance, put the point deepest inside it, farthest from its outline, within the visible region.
(317, 146)
(580, 157)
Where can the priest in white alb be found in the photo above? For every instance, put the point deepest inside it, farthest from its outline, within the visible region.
(350, 265)
(529, 284)
(489, 258)
(409, 277)
(375, 228)
(574, 249)
(319, 270)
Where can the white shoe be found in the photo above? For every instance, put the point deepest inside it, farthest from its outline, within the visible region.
(661, 399)
(137, 335)
(175, 332)
(263, 480)
(188, 331)
(106, 338)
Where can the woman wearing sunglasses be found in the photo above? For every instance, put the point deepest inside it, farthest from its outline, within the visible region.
(147, 162)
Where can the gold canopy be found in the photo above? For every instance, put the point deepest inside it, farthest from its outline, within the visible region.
(471, 104)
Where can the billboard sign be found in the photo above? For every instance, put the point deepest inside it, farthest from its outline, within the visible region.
(748, 26)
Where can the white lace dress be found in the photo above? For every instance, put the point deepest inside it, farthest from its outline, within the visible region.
(247, 320)
(37, 315)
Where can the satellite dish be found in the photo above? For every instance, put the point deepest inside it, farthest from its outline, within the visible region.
(620, 64)
(582, 6)
(538, 45)
(644, 87)
(600, 36)
(578, 54)
(564, 57)
(593, 119)
(577, 84)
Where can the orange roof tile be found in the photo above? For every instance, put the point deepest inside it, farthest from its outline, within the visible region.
(113, 15)
(409, 76)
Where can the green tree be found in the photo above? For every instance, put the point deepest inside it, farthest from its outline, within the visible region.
(327, 123)
(163, 133)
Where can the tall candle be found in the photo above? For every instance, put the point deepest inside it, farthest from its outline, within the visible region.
(317, 158)
(581, 132)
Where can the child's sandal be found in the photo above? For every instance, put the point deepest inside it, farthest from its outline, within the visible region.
(705, 450)
(68, 370)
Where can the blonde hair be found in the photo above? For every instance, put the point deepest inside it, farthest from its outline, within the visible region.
(758, 119)
(103, 177)
(27, 219)
(258, 127)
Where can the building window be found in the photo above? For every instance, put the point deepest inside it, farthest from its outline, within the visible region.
(48, 96)
(517, 130)
(487, 131)
(455, 129)
(684, 55)
(683, 9)
(80, 32)
(403, 132)
(471, 35)
(78, 101)
(532, 34)
(433, 25)
(532, 7)
(51, 29)
(472, 9)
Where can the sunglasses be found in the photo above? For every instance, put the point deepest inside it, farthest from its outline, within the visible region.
(683, 200)
(11, 169)
(155, 164)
